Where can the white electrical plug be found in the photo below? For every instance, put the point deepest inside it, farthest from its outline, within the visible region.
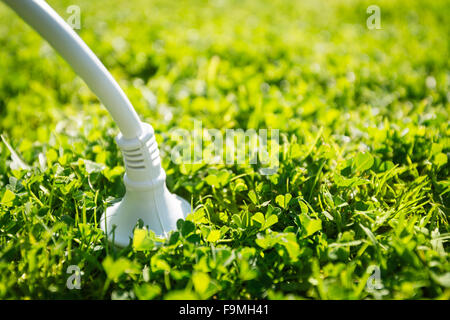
(146, 197)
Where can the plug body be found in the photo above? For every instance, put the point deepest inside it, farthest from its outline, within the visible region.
(146, 197)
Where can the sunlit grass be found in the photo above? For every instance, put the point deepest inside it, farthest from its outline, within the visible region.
(364, 163)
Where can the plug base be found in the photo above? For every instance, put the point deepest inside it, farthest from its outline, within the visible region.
(158, 209)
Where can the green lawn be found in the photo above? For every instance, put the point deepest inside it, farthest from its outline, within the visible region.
(363, 182)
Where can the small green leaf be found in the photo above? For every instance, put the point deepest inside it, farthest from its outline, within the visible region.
(213, 236)
(8, 198)
(259, 218)
(201, 281)
(212, 180)
(310, 226)
(147, 291)
(253, 197)
(289, 241)
(440, 159)
(187, 228)
(283, 201)
(363, 161)
(271, 220)
(181, 295)
(114, 269)
(158, 264)
(303, 206)
(142, 240)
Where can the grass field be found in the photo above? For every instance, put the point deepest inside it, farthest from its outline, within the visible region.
(363, 184)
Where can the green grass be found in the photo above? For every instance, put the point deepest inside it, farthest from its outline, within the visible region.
(364, 164)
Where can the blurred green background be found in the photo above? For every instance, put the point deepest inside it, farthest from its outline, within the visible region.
(312, 69)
